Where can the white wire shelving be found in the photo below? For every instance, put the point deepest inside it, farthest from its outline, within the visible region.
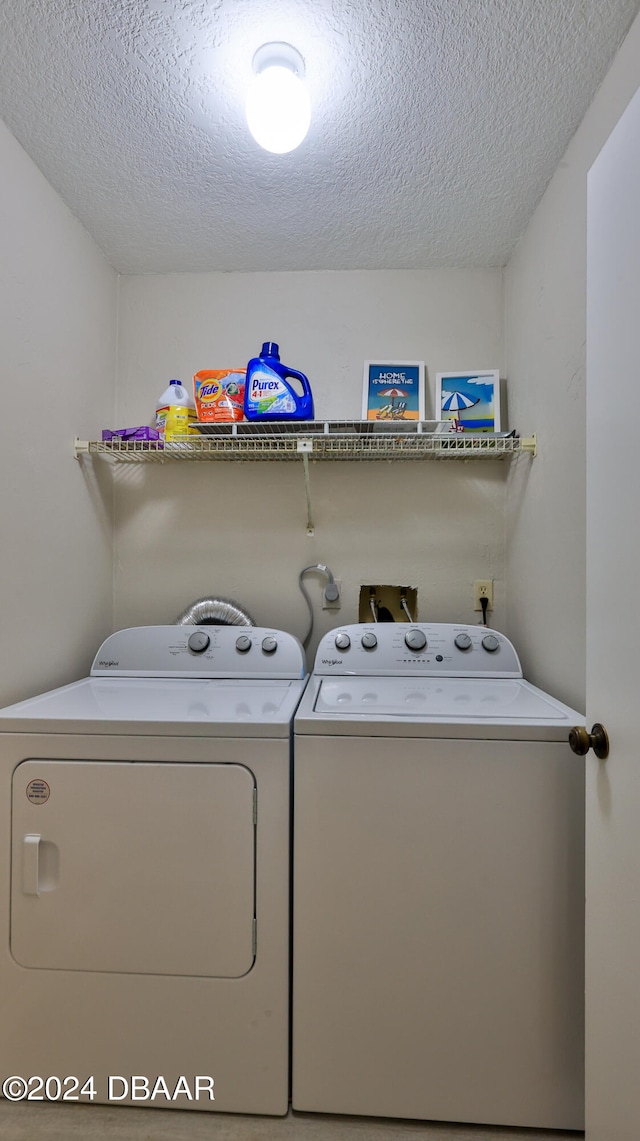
(315, 440)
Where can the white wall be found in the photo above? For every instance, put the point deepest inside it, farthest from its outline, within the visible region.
(545, 287)
(239, 530)
(58, 332)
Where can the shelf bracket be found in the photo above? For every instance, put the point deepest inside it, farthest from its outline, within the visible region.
(305, 446)
(529, 444)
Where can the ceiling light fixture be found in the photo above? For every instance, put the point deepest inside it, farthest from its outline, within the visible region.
(278, 107)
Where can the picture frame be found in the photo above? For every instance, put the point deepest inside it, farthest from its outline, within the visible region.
(393, 391)
(471, 400)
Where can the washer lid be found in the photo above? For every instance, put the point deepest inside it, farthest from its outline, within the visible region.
(452, 700)
(175, 707)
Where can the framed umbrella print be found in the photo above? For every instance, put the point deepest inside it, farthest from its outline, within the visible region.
(393, 390)
(470, 399)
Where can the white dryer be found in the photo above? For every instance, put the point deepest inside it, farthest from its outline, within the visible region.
(145, 864)
(438, 883)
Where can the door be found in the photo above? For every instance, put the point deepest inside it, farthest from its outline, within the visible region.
(135, 868)
(613, 675)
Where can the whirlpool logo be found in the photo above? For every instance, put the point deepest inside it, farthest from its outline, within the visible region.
(332, 661)
(108, 665)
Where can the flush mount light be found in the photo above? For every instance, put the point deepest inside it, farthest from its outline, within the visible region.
(278, 108)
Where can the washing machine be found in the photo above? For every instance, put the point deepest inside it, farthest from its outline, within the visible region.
(438, 883)
(145, 871)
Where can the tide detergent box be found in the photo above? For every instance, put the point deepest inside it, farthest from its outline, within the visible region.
(219, 394)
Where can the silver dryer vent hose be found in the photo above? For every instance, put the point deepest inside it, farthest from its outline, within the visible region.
(214, 612)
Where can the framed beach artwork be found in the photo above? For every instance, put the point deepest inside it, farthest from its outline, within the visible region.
(393, 390)
(470, 399)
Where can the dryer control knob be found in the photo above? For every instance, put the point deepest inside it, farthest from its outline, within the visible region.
(343, 641)
(490, 643)
(199, 642)
(415, 639)
(269, 645)
(243, 644)
(462, 641)
(369, 641)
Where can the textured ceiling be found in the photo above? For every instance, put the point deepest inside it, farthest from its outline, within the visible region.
(436, 124)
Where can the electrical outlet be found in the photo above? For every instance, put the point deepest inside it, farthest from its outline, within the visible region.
(482, 588)
(336, 603)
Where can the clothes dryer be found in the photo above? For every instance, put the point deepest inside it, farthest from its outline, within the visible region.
(438, 883)
(145, 864)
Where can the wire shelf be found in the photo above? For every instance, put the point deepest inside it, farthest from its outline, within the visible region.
(315, 440)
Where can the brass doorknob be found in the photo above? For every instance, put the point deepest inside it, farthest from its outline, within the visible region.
(581, 740)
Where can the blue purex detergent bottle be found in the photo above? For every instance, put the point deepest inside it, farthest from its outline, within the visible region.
(267, 392)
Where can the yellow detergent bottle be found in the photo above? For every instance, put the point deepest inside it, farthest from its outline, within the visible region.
(175, 412)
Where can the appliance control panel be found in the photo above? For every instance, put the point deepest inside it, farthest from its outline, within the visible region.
(422, 649)
(201, 651)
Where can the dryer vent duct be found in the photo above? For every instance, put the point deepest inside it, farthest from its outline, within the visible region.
(214, 612)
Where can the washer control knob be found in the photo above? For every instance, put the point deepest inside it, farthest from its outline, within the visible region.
(243, 644)
(490, 643)
(369, 640)
(462, 641)
(198, 642)
(343, 641)
(415, 639)
(269, 645)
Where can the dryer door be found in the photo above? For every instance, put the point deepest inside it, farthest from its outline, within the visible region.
(133, 867)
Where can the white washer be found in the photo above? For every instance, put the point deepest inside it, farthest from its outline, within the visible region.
(145, 865)
(438, 883)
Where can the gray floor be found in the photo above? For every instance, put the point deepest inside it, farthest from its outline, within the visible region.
(24, 1122)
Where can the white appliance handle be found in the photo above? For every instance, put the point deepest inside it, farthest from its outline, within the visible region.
(30, 864)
